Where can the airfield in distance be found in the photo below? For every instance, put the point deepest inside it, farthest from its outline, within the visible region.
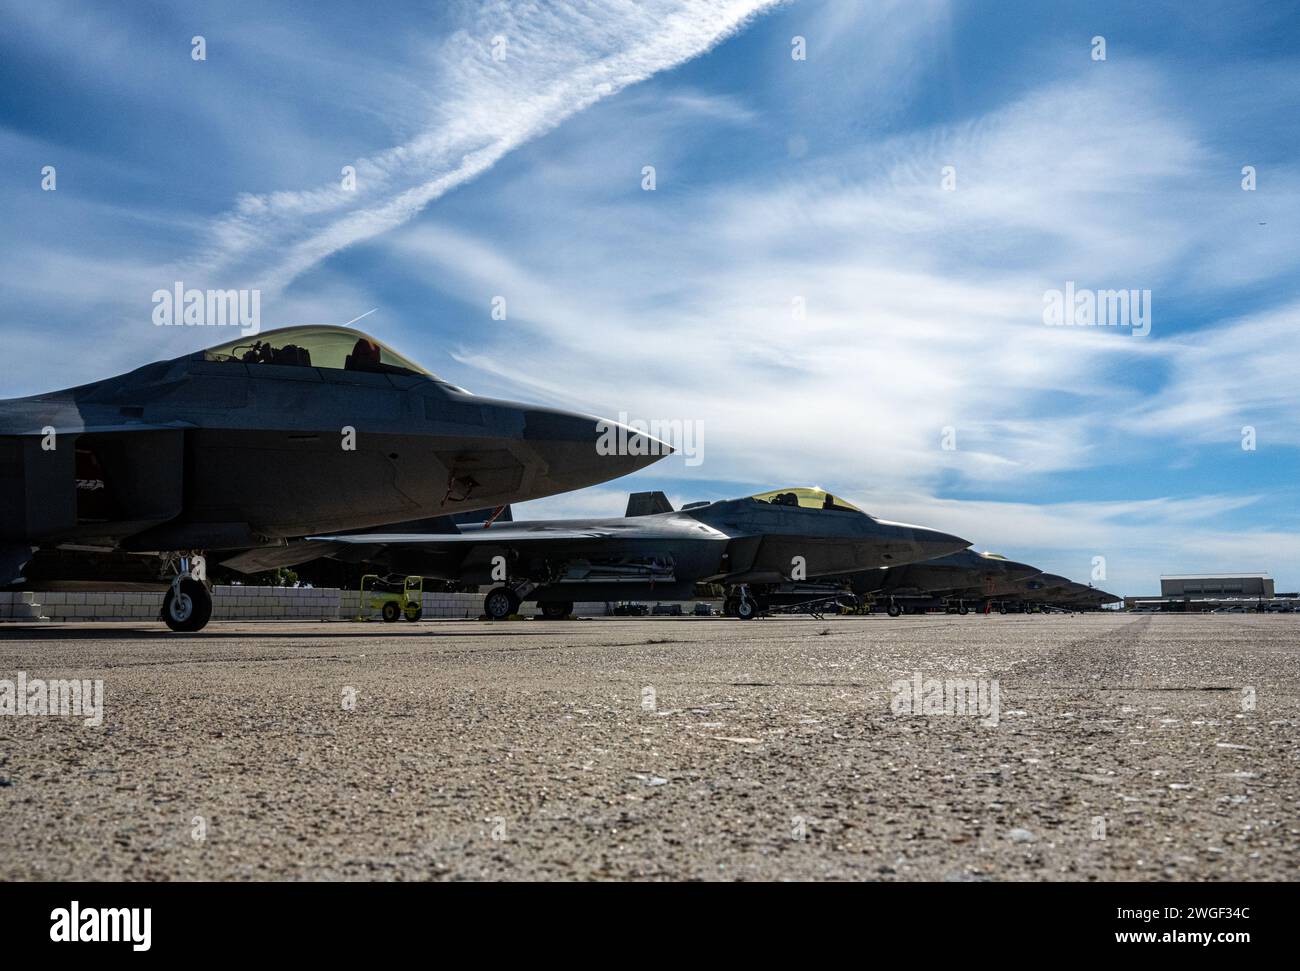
(1101, 746)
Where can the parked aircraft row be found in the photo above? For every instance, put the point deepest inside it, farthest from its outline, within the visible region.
(981, 580)
(314, 441)
(776, 550)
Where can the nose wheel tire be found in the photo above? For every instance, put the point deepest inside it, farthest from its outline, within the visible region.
(500, 603)
(893, 610)
(746, 609)
(187, 606)
(963, 609)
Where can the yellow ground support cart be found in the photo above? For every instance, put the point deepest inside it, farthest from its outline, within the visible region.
(392, 598)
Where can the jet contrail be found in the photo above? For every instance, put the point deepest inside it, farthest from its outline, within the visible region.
(362, 317)
(514, 73)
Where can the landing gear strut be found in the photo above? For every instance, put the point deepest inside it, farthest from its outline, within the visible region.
(187, 604)
(743, 604)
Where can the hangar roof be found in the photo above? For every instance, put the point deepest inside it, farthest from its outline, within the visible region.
(1215, 576)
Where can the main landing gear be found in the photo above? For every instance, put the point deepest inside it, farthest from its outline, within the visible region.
(503, 602)
(557, 610)
(187, 604)
(500, 603)
(742, 604)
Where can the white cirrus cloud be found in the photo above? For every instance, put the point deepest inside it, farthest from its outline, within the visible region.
(559, 58)
(923, 307)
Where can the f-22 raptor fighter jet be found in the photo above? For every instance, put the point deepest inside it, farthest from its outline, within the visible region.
(1045, 589)
(1084, 596)
(257, 441)
(958, 577)
(749, 545)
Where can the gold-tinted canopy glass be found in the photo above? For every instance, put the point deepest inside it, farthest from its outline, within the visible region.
(807, 498)
(316, 346)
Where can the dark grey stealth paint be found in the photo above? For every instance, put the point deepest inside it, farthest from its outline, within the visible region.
(750, 546)
(965, 572)
(262, 439)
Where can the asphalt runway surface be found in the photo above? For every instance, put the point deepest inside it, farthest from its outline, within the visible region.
(1120, 747)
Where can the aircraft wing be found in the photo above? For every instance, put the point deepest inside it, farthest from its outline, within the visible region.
(273, 557)
(508, 535)
(533, 535)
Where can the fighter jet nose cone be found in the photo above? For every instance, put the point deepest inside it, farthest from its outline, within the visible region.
(916, 543)
(942, 543)
(624, 441)
(583, 450)
(931, 543)
(1021, 571)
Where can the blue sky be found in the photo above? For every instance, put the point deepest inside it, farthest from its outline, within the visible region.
(776, 179)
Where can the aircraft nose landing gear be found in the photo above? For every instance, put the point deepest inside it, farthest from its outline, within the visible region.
(500, 603)
(187, 604)
(743, 604)
(503, 601)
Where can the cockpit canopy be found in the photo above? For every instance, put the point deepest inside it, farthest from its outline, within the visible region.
(807, 498)
(317, 346)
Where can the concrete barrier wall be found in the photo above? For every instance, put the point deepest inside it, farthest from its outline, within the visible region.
(274, 603)
(19, 606)
(241, 603)
(229, 603)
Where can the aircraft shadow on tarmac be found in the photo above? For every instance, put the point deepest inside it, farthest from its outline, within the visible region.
(44, 632)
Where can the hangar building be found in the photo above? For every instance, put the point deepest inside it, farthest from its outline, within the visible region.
(1199, 592)
(1197, 586)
